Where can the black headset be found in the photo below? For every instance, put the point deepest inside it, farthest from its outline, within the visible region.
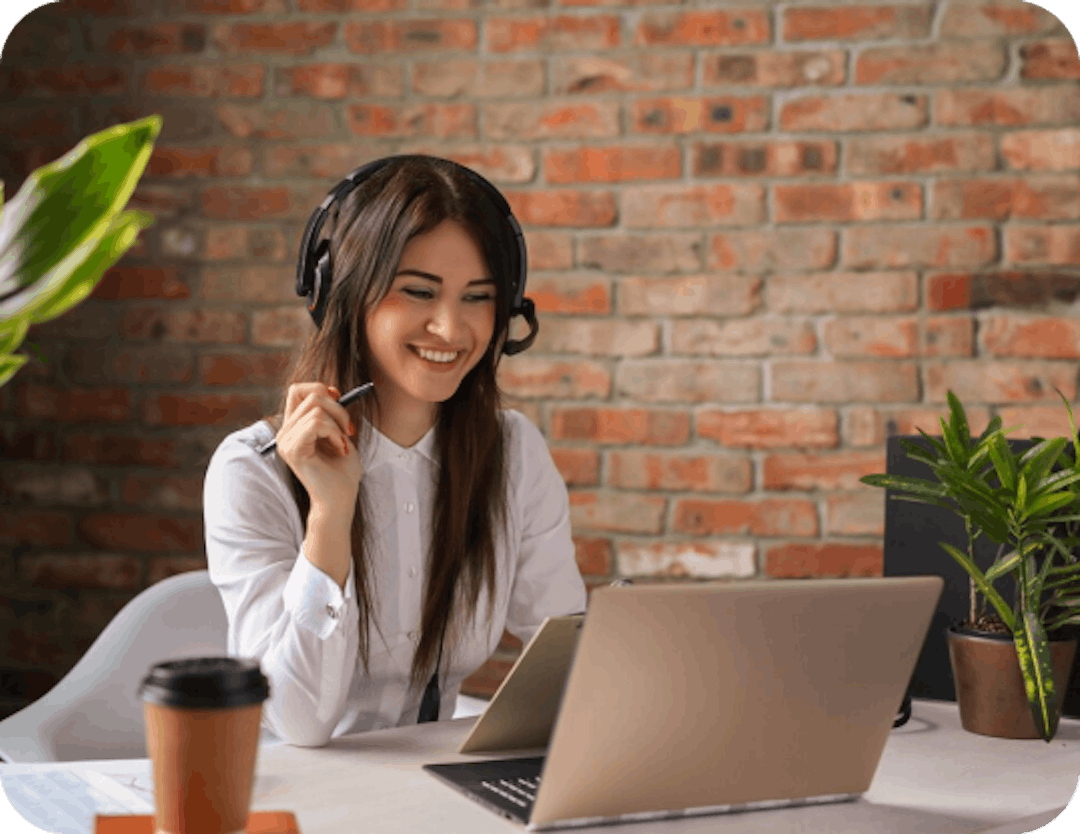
(314, 272)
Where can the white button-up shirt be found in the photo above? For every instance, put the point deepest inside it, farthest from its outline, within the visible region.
(302, 626)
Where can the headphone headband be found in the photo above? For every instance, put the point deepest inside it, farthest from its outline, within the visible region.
(314, 272)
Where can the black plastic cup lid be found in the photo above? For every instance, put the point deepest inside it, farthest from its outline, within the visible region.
(205, 682)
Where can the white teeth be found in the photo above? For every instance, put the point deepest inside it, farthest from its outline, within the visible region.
(437, 355)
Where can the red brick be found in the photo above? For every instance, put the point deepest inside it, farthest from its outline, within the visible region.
(163, 202)
(500, 163)
(549, 250)
(1042, 337)
(232, 369)
(369, 6)
(918, 154)
(723, 114)
(871, 337)
(686, 559)
(201, 409)
(1041, 150)
(226, 81)
(764, 159)
(843, 382)
(1037, 420)
(847, 203)
(593, 556)
(1050, 60)
(551, 119)
(34, 528)
(1049, 198)
(552, 34)
(127, 531)
(759, 336)
(45, 485)
(611, 164)
(688, 381)
(970, 19)
(203, 326)
(301, 38)
(124, 282)
(863, 22)
(162, 567)
(226, 6)
(94, 571)
(618, 512)
(474, 79)
(160, 39)
(833, 470)
(773, 250)
(633, 469)
(162, 492)
(120, 450)
(855, 112)
(637, 426)
(181, 163)
(690, 295)
(703, 28)
(770, 428)
(578, 467)
(949, 336)
(601, 337)
(293, 120)
(790, 561)
(428, 120)
(634, 73)
(102, 366)
(641, 252)
(648, 207)
(78, 405)
(71, 80)
(1007, 107)
(538, 377)
(936, 63)
(1057, 244)
(843, 292)
(867, 426)
(571, 294)
(563, 208)
(768, 517)
(823, 68)
(259, 284)
(337, 81)
(855, 514)
(986, 381)
(906, 246)
(380, 37)
(1007, 289)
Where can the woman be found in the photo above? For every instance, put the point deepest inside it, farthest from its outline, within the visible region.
(405, 531)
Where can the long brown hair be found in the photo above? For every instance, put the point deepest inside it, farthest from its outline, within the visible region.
(368, 231)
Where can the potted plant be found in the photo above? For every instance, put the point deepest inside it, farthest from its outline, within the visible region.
(1010, 667)
(65, 227)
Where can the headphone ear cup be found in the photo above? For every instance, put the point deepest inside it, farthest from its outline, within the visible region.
(320, 284)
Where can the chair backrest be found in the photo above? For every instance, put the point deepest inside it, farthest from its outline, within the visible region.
(94, 712)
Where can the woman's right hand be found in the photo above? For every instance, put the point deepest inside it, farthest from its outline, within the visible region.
(314, 442)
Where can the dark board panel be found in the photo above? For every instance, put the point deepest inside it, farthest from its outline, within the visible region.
(913, 533)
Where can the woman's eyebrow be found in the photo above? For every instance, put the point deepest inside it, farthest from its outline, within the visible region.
(419, 273)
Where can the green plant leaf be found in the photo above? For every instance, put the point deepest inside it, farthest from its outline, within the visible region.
(993, 426)
(937, 447)
(958, 420)
(10, 364)
(1040, 459)
(958, 453)
(916, 452)
(1072, 430)
(1046, 504)
(12, 334)
(985, 588)
(1056, 481)
(1004, 465)
(1002, 566)
(66, 204)
(119, 237)
(1033, 652)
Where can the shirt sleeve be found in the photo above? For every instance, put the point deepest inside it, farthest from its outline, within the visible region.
(547, 582)
(281, 609)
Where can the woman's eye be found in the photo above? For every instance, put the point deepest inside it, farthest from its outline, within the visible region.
(480, 297)
(417, 292)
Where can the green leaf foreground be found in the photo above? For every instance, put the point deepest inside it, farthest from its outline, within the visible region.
(1027, 502)
(66, 226)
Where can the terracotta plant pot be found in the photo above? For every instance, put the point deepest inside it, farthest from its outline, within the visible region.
(990, 686)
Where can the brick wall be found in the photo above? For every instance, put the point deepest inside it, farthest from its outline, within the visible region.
(762, 236)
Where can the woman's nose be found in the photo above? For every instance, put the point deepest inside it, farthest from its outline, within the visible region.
(443, 324)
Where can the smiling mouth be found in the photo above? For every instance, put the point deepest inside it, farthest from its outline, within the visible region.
(440, 357)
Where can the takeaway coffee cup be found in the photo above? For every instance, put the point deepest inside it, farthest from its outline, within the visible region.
(202, 732)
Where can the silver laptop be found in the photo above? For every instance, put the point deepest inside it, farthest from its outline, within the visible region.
(711, 698)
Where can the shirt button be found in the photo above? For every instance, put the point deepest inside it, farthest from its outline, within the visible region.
(409, 507)
(330, 612)
(412, 572)
(411, 635)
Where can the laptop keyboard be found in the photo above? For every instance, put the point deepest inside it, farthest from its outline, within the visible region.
(507, 786)
(522, 792)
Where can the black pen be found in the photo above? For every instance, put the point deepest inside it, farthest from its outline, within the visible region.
(346, 398)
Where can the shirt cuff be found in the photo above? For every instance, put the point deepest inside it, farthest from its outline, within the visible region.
(314, 599)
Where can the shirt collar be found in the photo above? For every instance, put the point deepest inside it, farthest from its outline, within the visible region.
(381, 449)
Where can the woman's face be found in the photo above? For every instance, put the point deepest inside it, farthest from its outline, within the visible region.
(435, 323)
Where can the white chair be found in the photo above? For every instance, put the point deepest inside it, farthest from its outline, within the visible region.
(94, 712)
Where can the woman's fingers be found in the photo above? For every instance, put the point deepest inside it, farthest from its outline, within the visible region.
(304, 397)
(316, 425)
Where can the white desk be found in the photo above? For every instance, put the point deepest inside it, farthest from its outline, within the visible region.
(933, 778)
